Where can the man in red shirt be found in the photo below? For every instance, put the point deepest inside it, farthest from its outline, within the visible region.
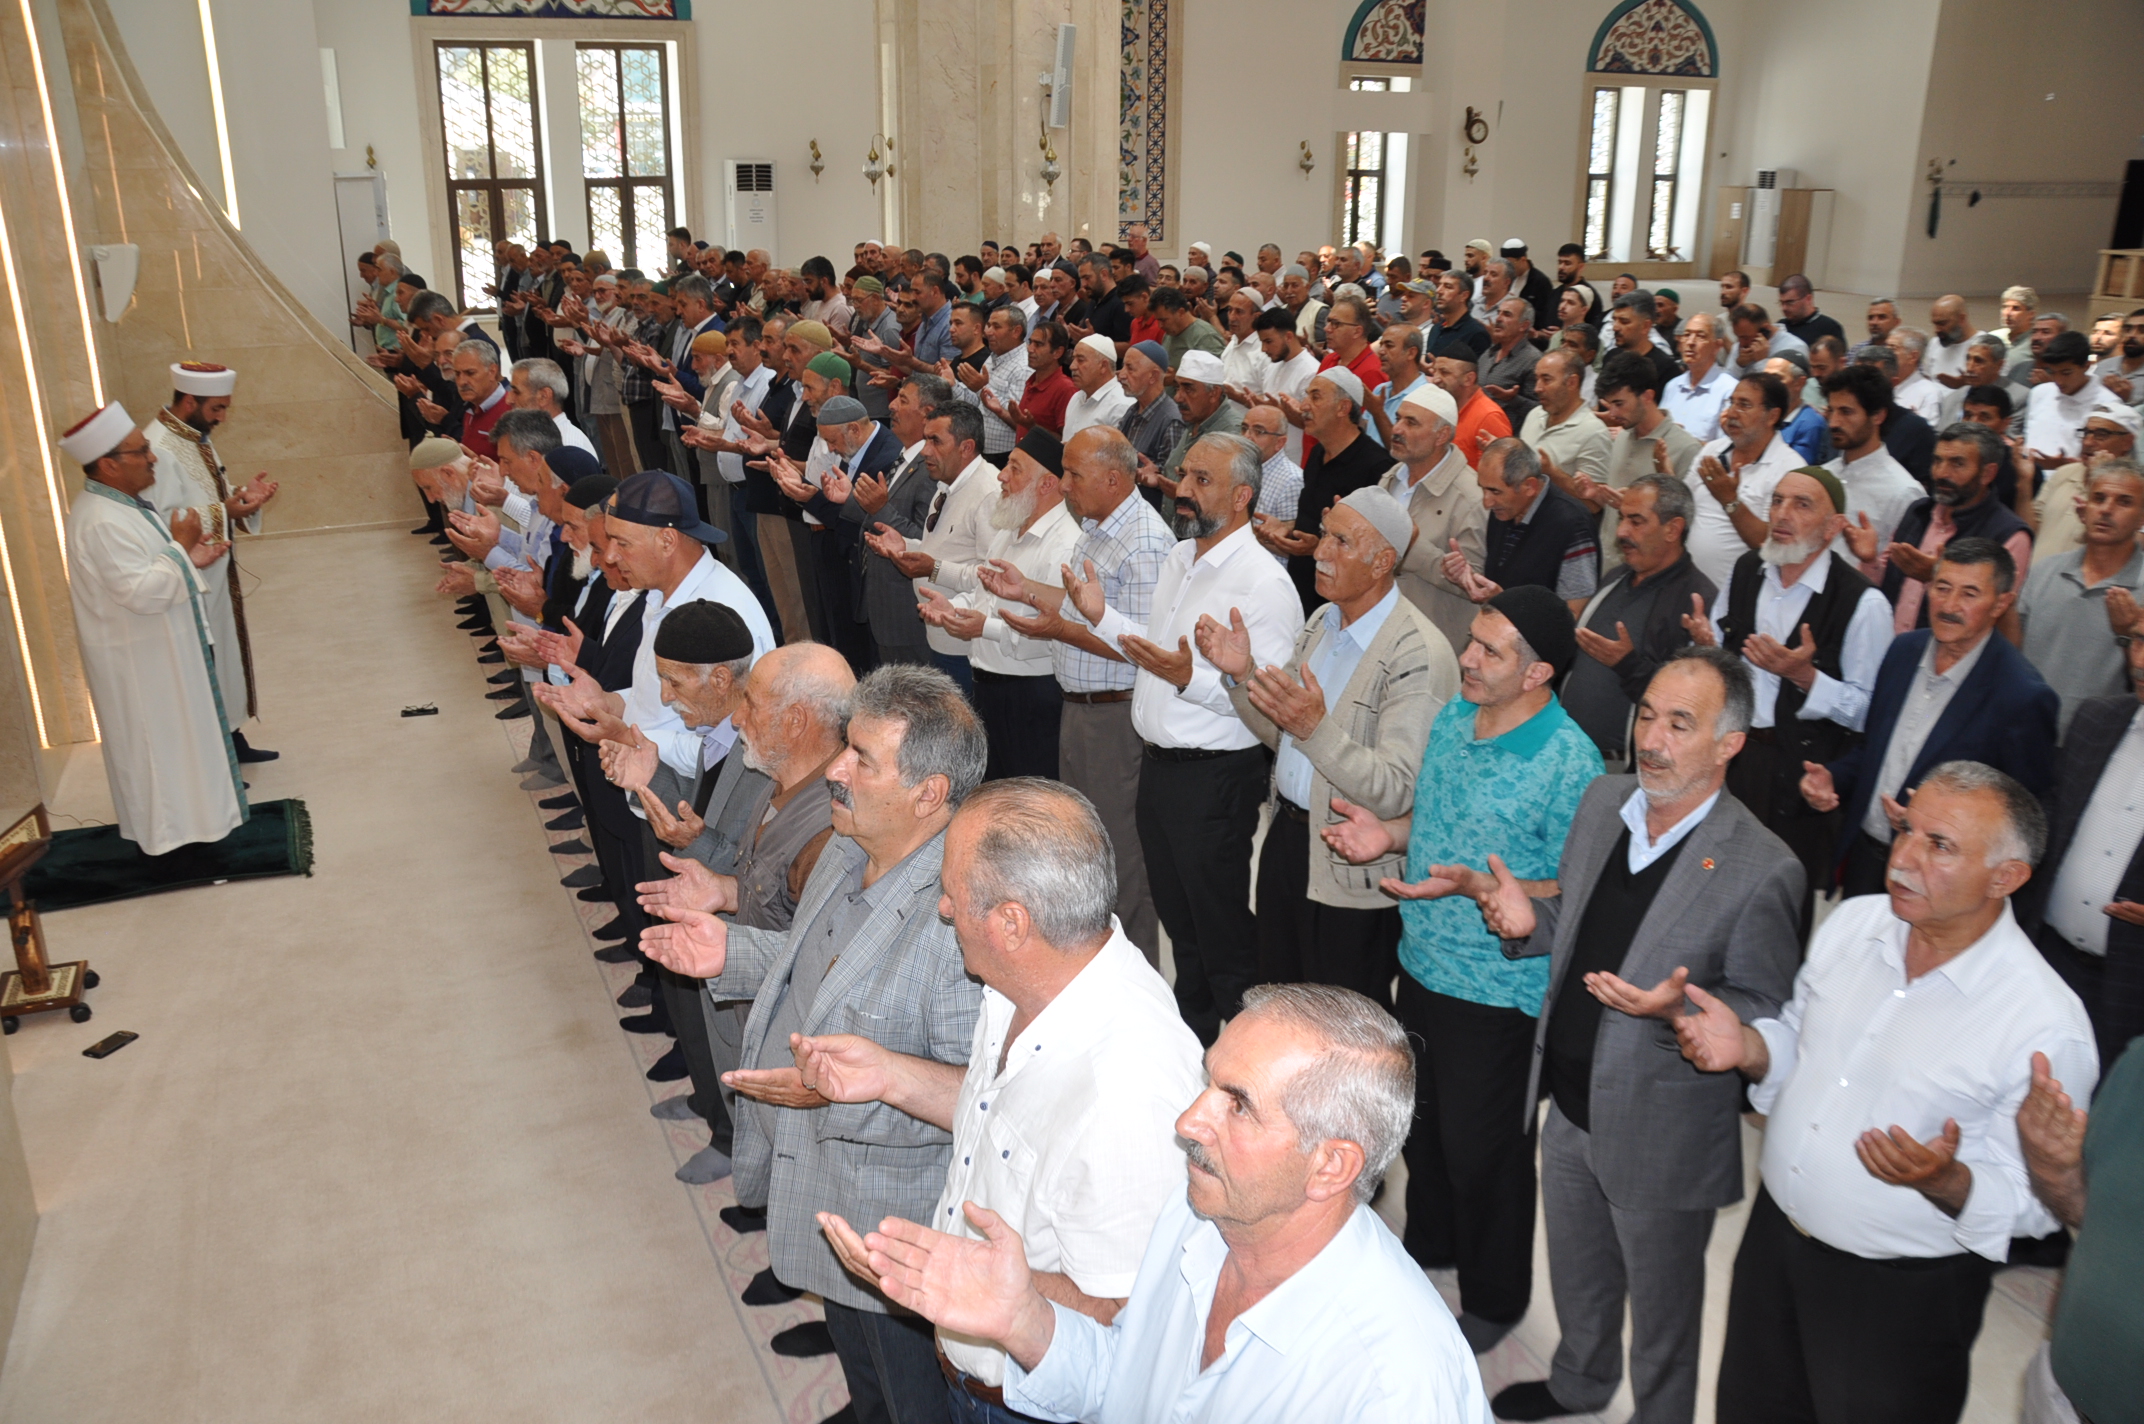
(1349, 331)
(1049, 390)
(476, 376)
(1481, 420)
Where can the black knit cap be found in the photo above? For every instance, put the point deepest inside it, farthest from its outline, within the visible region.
(702, 632)
(1044, 449)
(590, 490)
(1543, 620)
(571, 462)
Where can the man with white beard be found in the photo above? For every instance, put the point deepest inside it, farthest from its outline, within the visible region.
(1814, 633)
(1016, 689)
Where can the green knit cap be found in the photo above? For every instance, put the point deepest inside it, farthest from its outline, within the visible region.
(827, 364)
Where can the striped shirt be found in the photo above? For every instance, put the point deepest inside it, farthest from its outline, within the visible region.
(1127, 546)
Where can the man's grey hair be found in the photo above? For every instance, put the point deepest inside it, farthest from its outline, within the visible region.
(1884, 302)
(1245, 465)
(1520, 462)
(1875, 353)
(1671, 499)
(1505, 265)
(932, 390)
(2024, 832)
(1985, 442)
(941, 734)
(1738, 695)
(1525, 307)
(388, 262)
(693, 284)
(544, 374)
(1912, 338)
(823, 693)
(531, 431)
(2023, 296)
(1360, 1089)
(428, 304)
(2062, 323)
(1044, 847)
(484, 351)
(1640, 301)
(1990, 340)
(2114, 468)
(1116, 452)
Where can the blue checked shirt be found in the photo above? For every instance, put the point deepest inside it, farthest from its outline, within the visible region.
(1127, 546)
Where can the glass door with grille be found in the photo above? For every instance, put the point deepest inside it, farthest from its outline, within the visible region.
(494, 147)
(625, 152)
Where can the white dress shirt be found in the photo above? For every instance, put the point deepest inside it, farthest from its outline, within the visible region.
(1713, 542)
(1878, 486)
(748, 392)
(1921, 396)
(1695, 405)
(1105, 407)
(1039, 554)
(570, 434)
(1644, 849)
(2054, 422)
(1073, 1141)
(1233, 575)
(1292, 378)
(1861, 1047)
(1926, 699)
(1358, 1334)
(1844, 700)
(2106, 842)
(1244, 363)
(960, 541)
(1941, 360)
(708, 582)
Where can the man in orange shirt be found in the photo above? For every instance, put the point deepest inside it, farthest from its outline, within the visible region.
(1481, 420)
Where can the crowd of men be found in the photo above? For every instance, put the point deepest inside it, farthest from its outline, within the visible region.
(1477, 680)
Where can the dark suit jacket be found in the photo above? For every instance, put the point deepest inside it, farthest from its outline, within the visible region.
(2098, 727)
(1911, 441)
(2003, 715)
(886, 597)
(1666, 1137)
(880, 457)
(609, 660)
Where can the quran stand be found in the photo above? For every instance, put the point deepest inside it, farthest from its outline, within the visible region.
(34, 986)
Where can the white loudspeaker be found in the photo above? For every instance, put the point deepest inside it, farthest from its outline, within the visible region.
(1060, 78)
(118, 264)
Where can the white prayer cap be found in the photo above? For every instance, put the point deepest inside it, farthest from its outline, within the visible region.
(999, 276)
(2119, 413)
(99, 435)
(1205, 247)
(202, 378)
(1385, 514)
(1101, 346)
(1435, 399)
(1203, 367)
(1341, 379)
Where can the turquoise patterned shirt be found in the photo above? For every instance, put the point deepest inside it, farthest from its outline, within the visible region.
(1512, 795)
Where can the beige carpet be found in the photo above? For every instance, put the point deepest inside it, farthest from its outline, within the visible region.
(380, 1153)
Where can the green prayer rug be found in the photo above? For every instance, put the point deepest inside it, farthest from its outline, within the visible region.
(96, 864)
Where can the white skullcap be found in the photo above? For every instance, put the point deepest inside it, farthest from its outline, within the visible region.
(1386, 515)
(1295, 269)
(1101, 346)
(1435, 399)
(99, 435)
(202, 378)
(1203, 367)
(997, 275)
(1205, 247)
(1341, 379)
(2120, 413)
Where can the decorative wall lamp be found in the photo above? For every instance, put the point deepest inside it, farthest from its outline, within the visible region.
(1306, 162)
(1051, 171)
(1475, 132)
(876, 167)
(817, 164)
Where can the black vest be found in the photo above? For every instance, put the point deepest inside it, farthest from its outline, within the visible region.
(1828, 615)
(1617, 907)
(1533, 552)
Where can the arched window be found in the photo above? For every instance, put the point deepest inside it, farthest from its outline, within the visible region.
(1380, 53)
(1651, 72)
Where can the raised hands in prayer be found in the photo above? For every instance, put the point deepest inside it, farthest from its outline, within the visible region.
(888, 542)
(979, 1288)
(692, 887)
(1608, 652)
(1476, 587)
(1698, 623)
(941, 612)
(680, 830)
(1282, 537)
(630, 761)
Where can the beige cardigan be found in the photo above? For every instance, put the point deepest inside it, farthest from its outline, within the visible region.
(1369, 745)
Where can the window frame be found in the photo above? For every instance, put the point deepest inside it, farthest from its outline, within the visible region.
(627, 182)
(1632, 184)
(494, 187)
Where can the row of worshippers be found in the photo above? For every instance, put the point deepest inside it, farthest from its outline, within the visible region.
(160, 611)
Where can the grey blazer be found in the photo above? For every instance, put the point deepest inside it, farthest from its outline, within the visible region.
(740, 795)
(1369, 745)
(886, 597)
(1666, 1137)
(899, 982)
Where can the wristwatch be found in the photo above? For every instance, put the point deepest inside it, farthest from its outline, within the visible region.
(1731, 506)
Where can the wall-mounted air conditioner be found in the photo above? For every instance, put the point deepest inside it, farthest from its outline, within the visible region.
(1764, 197)
(748, 203)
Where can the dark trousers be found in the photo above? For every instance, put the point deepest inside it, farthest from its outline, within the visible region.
(956, 667)
(645, 419)
(1868, 863)
(681, 995)
(835, 570)
(964, 1408)
(1470, 1158)
(1303, 942)
(1022, 716)
(891, 1363)
(804, 548)
(1818, 1334)
(1196, 820)
(743, 530)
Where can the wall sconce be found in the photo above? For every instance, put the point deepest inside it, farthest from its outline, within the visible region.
(1051, 172)
(876, 168)
(818, 164)
(1474, 131)
(1306, 162)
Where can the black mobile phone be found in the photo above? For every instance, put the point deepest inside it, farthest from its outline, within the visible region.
(106, 1047)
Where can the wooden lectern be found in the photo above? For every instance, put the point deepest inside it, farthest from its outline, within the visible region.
(33, 986)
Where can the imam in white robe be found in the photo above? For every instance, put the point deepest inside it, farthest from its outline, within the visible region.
(143, 626)
(184, 481)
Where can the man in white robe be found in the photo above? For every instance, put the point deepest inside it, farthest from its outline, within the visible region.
(143, 624)
(190, 476)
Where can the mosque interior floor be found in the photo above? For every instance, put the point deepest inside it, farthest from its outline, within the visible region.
(381, 1151)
